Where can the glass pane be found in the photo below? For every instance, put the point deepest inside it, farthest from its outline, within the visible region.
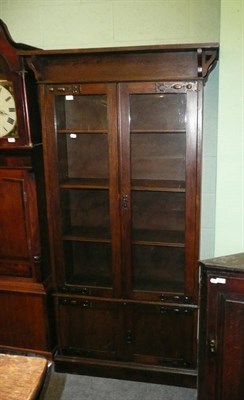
(86, 113)
(158, 268)
(157, 111)
(158, 216)
(88, 264)
(83, 156)
(158, 156)
(83, 162)
(85, 213)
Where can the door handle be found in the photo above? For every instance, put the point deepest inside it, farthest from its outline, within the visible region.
(124, 201)
(212, 345)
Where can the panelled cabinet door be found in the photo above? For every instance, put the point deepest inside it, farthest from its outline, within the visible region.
(161, 335)
(158, 140)
(83, 150)
(89, 328)
(222, 338)
(137, 333)
(23, 321)
(19, 229)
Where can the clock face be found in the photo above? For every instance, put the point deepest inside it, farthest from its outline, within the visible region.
(8, 117)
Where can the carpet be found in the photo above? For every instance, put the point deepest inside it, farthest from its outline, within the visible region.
(79, 387)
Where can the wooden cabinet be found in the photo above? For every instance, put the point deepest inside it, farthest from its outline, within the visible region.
(25, 306)
(221, 350)
(25, 318)
(120, 326)
(90, 328)
(20, 254)
(122, 144)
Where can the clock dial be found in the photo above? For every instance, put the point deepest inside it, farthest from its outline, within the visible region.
(8, 118)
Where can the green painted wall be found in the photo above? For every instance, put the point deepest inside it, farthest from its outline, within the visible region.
(229, 237)
(96, 23)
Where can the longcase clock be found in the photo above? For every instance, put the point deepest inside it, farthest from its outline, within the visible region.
(24, 260)
(18, 100)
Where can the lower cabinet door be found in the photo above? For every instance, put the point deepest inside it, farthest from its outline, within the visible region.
(163, 336)
(221, 350)
(24, 321)
(126, 331)
(89, 328)
(19, 234)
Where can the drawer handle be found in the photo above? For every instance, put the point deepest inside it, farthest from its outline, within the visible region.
(85, 304)
(76, 302)
(175, 310)
(128, 337)
(177, 86)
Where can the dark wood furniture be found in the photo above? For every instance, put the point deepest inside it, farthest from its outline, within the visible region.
(221, 349)
(24, 255)
(122, 152)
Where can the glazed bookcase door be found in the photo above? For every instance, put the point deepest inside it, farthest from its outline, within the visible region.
(159, 183)
(84, 147)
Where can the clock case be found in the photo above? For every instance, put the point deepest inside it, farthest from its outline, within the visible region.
(12, 69)
(26, 317)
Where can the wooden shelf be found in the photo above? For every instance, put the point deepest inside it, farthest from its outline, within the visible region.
(136, 184)
(84, 183)
(157, 131)
(140, 237)
(80, 132)
(91, 281)
(87, 234)
(158, 238)
(158, 185)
